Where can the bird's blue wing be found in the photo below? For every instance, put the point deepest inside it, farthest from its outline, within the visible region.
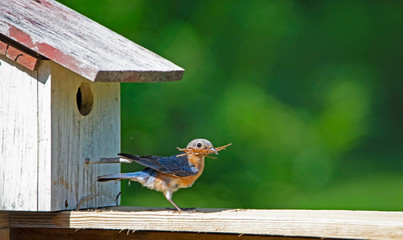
(174, 165)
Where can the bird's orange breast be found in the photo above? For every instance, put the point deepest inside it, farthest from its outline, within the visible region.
(175, 182)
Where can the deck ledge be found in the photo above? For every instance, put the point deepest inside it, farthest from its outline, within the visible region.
(301, 223)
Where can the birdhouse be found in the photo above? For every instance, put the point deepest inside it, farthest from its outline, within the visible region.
(60, 75)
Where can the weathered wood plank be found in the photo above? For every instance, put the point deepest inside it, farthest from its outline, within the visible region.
(18, 137)
(4, 220)
(90, 234)
(5, 234)
(44, 136)
(3, 47)
(22, 58)
(15, 54)
(4, 226)
(45, 140)
(76, 137)
(80, 44)
(291, 223)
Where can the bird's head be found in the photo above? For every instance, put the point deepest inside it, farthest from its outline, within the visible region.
(202, 146)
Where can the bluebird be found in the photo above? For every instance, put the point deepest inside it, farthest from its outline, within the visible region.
(168, 174)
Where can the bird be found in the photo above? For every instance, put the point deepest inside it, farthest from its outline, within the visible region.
(168, 174)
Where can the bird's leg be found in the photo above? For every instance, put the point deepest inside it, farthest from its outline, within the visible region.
(168, 196)
(179, 209)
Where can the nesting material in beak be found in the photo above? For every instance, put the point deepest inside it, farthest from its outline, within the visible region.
(213, 150)
(205, 152)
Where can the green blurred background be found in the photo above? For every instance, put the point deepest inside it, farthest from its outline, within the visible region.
(310, 93)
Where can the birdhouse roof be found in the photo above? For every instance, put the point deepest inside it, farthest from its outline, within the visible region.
(74, 41)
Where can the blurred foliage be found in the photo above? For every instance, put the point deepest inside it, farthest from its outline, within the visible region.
(308, 92)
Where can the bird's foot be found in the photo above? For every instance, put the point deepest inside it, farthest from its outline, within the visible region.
(187, 210)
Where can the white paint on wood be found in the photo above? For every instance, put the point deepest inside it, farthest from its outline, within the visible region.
(45, 140)
(44, 136)
(291, 223)
(18, 137)
(76, 137)
(80, 44)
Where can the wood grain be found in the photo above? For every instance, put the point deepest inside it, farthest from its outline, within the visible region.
(90, 234)
(4, 226)
(4, 220)
(15, 54)
(290, 223)
(75, 137)
(45, 139)
(44, 136)
(18, 137)
(81, 45)
(5, 234)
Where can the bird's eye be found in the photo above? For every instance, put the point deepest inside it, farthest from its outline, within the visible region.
(199, 145)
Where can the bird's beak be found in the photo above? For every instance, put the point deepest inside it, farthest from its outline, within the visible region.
(213, 151)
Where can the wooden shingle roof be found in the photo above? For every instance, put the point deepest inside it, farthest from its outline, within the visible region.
(74, 41)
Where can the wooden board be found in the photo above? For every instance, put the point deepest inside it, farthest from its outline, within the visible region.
(18, 137)
(4, 226)
(92, 234)
(44, 136)
(76, 42)
(5, 234)
(21, 57)
(291, 223)
(75, 137)
(44, 139)
(4, 220)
